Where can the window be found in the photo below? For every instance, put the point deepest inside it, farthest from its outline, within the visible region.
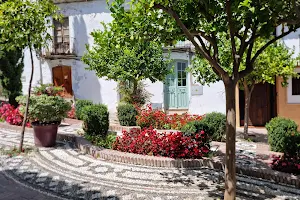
(61, 36)
(293, 90)
(296, 86)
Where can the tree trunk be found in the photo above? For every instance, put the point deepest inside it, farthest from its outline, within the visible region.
(230, 178)
(248, 92)
(27, 102)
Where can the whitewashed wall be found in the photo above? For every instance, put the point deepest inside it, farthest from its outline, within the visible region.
(84, 17)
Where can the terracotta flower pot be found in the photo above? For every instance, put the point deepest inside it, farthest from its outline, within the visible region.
(45, 134)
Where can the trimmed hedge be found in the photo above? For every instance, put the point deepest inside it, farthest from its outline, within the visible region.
(127, 114)
(283, 136)
(95, 120)
(214, 124)
(79, 105)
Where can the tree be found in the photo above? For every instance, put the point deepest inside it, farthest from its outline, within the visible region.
(24, 24)
(275, 61)
(11, 68)
(122, 58)
(203, 23)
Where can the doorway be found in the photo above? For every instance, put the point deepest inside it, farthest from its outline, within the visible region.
(62, 76)
(176, 89)
(262, 106)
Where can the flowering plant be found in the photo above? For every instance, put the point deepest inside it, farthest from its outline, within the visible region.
(48, 89)
(11, 115)
(72, 112)
(174, 145)
(285, 163)
(158, 119)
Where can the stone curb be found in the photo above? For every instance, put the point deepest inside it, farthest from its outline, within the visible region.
(153, 161)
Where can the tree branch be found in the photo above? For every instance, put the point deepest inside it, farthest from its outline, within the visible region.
(269, 43)
(232, 39)
(191, 38)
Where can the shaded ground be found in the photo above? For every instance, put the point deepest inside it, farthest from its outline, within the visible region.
(10, 190)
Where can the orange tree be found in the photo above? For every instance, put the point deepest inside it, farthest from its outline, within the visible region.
(203, 22)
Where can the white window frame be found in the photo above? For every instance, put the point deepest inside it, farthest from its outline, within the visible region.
(292, 99)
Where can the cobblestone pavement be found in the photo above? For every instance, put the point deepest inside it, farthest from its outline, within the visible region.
(68, 174)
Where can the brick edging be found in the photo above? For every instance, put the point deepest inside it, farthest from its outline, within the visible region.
(154, 161)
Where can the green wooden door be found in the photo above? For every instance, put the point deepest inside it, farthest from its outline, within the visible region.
(176, 91)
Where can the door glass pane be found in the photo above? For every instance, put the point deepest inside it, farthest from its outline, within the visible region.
(179, 74)
(183, 66)
(178, 66)
(179, 82)
(183, 82)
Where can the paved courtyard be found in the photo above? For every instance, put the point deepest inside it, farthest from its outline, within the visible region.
(67, 174)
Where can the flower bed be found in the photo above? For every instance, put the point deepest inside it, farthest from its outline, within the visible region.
(11, 115)
(158, 119)
(288, 164)
(173, 145)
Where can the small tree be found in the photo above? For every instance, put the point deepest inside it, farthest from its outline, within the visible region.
(276, 61)
(11, 68)
(24, 24)
(203, 23)
(119, 57)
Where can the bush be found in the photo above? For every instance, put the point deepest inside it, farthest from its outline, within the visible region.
(48, 89)
(174, 145)
(283, 135)
(95, 120)
(79, 105)
(11, 115)
(285, 163)
(214, 124)
(106, 142)
(158, 119)
(44, 108)
(127, 114)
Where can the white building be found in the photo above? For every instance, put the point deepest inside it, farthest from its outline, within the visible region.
(61, 64)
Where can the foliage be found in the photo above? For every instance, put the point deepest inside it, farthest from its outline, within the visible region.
(276, 60)
(11, 68)
(106, 142)
(286, 163)
(11, 115)
(174, 145)
(48, 89)
(214, 124)
(148, 117)
(95, 120)
(127, 114)
(138, 96)
(44, 108)
(24, 23)
(119, 57)
(79, 105)
(283, 136)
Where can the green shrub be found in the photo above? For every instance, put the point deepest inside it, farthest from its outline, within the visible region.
(44, 108)
(95, 120)
(283, 135)
(214, 124)
(127, 114)
(79, 105)
(106, 142)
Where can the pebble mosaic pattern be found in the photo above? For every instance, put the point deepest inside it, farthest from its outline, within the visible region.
(68, 174)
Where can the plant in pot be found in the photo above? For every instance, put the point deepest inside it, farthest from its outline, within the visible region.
(45, 114)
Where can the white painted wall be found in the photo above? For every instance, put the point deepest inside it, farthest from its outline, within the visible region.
(292, 40)
(84, 17)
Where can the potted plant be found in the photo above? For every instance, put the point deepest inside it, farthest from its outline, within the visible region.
(45, 114)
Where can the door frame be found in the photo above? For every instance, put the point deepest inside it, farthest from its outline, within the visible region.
(71, 81)
(166, 104)
(240, 105)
